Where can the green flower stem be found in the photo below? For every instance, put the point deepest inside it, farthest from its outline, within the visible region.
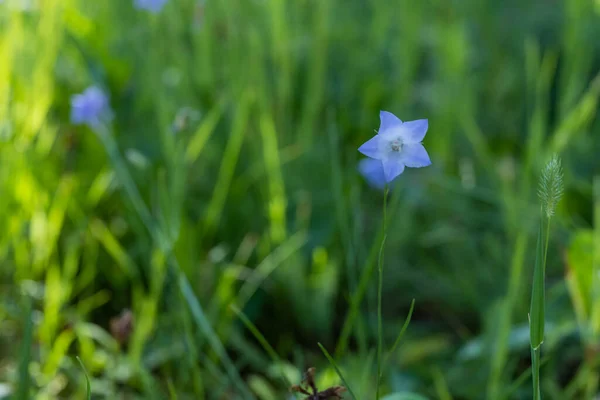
(379, 295)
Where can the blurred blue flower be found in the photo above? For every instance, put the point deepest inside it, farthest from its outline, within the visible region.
(397, 145)
(372, 170)
(150, 5)
(89, 107)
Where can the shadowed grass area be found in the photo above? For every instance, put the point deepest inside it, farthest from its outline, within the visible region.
(218, 235)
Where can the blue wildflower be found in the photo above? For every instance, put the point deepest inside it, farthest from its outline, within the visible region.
(372, 170)
(89, 107)
(397, 145)
(150, 5)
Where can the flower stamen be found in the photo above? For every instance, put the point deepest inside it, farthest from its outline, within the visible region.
(396, 145)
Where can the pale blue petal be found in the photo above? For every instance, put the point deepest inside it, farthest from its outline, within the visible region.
(415, 156)
(371, 147)
(392, 168)
(414, 131)
(151, 5)
(372, 170)
(89, 107)
(388, 121)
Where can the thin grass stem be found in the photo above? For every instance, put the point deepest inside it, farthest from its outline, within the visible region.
(380, 295)
(88, 387)
(337, 370)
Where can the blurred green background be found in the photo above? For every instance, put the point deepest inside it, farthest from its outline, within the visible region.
(239, 122)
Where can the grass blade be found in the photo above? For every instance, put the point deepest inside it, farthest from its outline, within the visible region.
(401, 333)
(363, 282)
(25, 354)
(187, 292)
(536, 314)
(263, 342)
(536, 310)
(88, 387)
(550, 191)
(213, 339)
(337, 370)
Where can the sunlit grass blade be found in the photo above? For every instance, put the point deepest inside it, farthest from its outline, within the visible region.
(337, 370)
(88, 386)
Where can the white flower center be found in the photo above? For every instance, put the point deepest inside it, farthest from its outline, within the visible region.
(396, 145)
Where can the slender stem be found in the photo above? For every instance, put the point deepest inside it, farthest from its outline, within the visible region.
(337, 370)
(358, 296)
(88, 388)
(546, 241)
(536, 352)
(535, 358)
(385, 196)
(379, 294)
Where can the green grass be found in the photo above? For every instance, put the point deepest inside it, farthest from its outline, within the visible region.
(228, 181)
(88, 387)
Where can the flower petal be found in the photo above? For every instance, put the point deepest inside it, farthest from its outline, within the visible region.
(150, 5)
(414, 131)
(415, 156)
(372, 170)
(388, 121)
(371, 147)
(392, 168)
(90, 106)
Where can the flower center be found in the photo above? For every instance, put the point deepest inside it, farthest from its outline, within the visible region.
(396, 145)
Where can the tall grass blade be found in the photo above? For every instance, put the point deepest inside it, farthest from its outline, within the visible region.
(88, 386)
(536, 310)
(263, 342)
(337, 370)
(25, 354)
(550, 192)
(184, 286)
(214, 341)
(401, 333)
